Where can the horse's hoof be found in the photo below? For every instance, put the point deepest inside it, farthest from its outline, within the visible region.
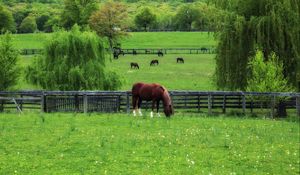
(151, 114)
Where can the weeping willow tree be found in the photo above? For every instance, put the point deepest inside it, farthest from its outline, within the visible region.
(270, 25)
(73, 61)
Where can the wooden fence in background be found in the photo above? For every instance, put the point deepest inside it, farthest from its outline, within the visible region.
(202, 50)
(120, 101)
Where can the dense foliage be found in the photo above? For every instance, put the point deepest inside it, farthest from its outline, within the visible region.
(66, 13)
(145, 18)
(6, 20)
(271, 25)
(110, 21)
(73, 61)
(267, 76)
(9, 71)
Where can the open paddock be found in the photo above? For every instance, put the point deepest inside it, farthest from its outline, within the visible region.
(36, 143)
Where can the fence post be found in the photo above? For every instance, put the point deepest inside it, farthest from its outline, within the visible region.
(209, 104)
(244, 105)
(21, 102)
(298, 106)
(85, 103)
(273, 106)
(42, 102)
(198, 103)
(127, 103)
(224, 104)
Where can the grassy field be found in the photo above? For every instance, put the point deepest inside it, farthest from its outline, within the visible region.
(121, 144)
(195, 74)
(134, 40)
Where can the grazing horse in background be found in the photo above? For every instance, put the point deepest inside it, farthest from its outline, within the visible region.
(154, 62)
(151, 92)
(180, 60)
(134, 52)
(134, 65)
(160, 54)
(203, 49)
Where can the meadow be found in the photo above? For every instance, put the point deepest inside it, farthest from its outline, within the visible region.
(122, 144)
(195, 74)
(133, 40)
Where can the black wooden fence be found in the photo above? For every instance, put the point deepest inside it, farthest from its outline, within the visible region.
(202, 50)
(120, 101)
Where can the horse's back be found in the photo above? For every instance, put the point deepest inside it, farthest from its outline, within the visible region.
(146, 91)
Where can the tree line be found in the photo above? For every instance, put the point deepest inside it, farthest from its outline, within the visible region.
(21, 16)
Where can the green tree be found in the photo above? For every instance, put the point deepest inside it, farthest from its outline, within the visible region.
(41, 21)
(77, 12)
(272, 25)
(9, 71)
(6, 20)
(28, 25)
(73, 61)
(186, 16)
(267, 76)
(145, 18)
(110, 22)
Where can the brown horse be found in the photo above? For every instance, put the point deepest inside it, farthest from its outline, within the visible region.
(134, 65)
(154, 62)
(151, 92)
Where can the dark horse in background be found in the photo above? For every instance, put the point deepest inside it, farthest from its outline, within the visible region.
(154, 62)
(160, 53)
(134, 65)
(151, 92)
(180, 60)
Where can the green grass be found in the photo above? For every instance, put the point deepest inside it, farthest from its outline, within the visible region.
(134, 40)
(169, 40)
(121, 144)
(195, 74)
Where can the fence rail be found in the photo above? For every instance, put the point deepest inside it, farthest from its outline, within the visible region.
(202, 50)
(120, 101)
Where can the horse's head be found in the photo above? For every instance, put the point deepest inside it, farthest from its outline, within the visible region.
(168, 107)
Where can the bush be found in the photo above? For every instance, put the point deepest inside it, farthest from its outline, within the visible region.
(73, 61)
(7, 22)
(28, 25)
(8, 62)
(267, 76)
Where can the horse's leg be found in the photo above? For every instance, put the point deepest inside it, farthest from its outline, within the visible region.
(139, 106)
(153, 106)
(134, 105)
(157, 108)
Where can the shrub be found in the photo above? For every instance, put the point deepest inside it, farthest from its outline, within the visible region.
(28, 25)
(73, 61)
(9, 71)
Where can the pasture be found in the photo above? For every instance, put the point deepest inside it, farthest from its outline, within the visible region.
(133, 40)
(121, 144)
(195, 74)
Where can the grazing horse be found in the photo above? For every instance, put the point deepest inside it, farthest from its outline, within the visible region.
(134, 65)
(203, 49)
(154, 62)
(151, 92)
(160, 54)
(134, 52)
(180, 60)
